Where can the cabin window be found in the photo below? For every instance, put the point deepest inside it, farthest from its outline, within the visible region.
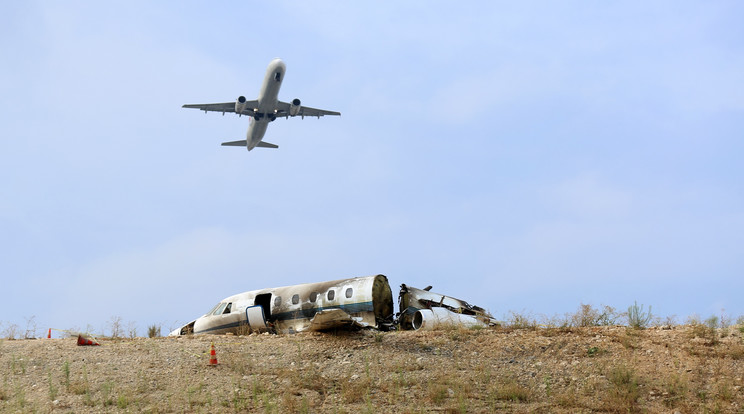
(277, 301)
(220, 309)
(349, 292)
(313, 297)
(295, 299)
(331, 294)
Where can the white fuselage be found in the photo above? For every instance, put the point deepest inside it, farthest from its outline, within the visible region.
(292, 308)
(267, 103)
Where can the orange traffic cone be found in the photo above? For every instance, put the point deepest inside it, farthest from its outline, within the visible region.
(49, 335)
(86, 341)
(212, 356)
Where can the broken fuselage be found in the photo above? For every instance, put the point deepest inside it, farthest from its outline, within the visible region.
(360, 301)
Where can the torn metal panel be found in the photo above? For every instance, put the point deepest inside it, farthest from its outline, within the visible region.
(411, 300)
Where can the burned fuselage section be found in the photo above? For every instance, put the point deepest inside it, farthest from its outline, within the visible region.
(422, 309)
(345, 303)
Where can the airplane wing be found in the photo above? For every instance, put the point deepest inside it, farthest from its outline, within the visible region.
(333, 318)
(220, 107)
(283, 108)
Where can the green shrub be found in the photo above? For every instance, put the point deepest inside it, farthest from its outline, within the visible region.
(637, 317)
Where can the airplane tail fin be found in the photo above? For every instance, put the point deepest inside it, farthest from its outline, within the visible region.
(244, 143)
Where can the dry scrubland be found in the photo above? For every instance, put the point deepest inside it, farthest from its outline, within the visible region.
(591, 369)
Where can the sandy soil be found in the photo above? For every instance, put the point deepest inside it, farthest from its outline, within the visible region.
(599, 369)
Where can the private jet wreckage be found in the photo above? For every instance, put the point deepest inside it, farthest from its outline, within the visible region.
(359, 302)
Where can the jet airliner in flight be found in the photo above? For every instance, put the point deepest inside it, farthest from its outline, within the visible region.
(263, 110)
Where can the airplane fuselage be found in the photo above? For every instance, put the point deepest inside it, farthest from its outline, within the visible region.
(267, 101)
(360, 301)
(264, 109)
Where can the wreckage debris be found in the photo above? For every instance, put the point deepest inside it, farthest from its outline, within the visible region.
(423, 309)
(429, 319)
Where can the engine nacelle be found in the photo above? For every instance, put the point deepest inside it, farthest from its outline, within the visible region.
(240, 105)
(294, 107)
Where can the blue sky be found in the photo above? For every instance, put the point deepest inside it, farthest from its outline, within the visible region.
(525, 157)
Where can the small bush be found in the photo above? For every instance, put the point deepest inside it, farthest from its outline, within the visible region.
(637, 317)
(624, 392)
(512, 391)
(520, 321)
(153, 331)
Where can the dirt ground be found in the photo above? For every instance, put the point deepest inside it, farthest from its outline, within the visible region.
(684, 369)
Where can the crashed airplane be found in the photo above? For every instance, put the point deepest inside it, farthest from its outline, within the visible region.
(360, 302)
(357, 302)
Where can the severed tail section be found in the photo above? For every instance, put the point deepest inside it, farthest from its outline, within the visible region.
(244, 143)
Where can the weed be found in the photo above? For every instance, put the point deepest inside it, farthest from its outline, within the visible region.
(587, 315)
(624, 392)
(565, 400)
(354, 390)
(88, 399)
(66, 373)
(548, 382)
(132, 329)
(520, 321)
(122, 402)
(724, 392)
(20, 397)
(17, 365)
(438, 393)
(676, 389)
(735, 351)
(115, 326)
(304, 406)
(153, 331)
(592, 351)
(637, 317)
(712, 325)
(512, 391)
(106, 389)
(52, 389)
(30, 328)
(11, 331)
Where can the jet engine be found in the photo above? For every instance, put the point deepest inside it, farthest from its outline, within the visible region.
(240, 105)
(294, 107)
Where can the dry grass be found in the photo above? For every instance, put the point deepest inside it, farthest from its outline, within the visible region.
(569, 369)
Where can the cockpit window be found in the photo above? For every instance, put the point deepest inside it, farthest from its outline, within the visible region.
(211, 311)
(220, 308)
(227, 309)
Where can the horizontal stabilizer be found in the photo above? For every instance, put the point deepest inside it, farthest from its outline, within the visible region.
(242, 143)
